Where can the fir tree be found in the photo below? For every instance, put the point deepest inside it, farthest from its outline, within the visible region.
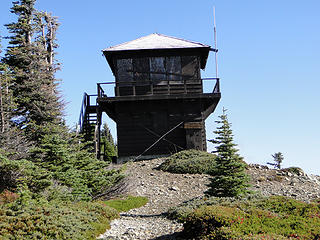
(108, 145)
(30, 58)
(228, 178)
(278, 159)
(12, 141)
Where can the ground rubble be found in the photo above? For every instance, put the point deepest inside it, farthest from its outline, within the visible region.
(165, 190)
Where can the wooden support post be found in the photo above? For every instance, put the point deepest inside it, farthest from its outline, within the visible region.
(151, 87)
(117, 90)
(97, 134)
(134, 88)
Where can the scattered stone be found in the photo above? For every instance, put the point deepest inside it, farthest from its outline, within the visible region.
(173, 188)
(165, 190)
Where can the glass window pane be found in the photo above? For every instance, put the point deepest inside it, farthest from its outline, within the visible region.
(157, 70)
(190, 67)
(124, 71)
(173, 65)
(141, 70)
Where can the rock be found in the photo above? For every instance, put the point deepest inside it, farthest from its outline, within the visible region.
(173, 188)
(165, 190)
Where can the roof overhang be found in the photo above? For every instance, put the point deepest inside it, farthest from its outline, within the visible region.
(111, 56)
(156, 45)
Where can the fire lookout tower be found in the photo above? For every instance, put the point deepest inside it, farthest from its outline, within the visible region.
(159, 105)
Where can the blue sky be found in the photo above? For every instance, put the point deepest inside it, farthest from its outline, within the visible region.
(269, 63)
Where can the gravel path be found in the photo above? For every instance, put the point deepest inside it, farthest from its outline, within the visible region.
(164, 190)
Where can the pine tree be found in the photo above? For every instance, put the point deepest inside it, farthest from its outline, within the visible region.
(30, 58)
(228, 178)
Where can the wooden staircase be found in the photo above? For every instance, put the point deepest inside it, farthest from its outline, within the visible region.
(88, 119)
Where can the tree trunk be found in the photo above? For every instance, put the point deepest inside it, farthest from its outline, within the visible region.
(1, 108)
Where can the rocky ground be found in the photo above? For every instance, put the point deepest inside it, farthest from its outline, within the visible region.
(165, 190)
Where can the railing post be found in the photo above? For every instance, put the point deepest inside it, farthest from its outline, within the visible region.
(151, 86)
(218, 85)
(134, 88)
(87, 100)
(117, 90)
(185, 85)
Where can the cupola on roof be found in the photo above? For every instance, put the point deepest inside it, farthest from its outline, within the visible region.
(155, 41)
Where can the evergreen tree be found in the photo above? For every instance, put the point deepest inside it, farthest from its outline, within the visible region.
(30, 58)
(4, 96)
(12, 141)
(278, 159)
(108, 145)
(228, 178)
(29, 92)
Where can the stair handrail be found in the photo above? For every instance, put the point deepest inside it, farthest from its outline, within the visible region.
(84, 104)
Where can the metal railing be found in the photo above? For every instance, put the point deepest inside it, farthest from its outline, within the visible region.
(86, 102)
(153, 86)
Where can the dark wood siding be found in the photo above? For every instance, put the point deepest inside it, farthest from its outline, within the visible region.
(142, 123)
(157, 91)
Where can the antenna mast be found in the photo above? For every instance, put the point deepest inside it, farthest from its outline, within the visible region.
(215, 40)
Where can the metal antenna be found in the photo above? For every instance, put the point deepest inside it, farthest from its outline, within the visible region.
(215, 40)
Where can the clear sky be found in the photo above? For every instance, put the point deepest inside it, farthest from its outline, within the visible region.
(269, 62)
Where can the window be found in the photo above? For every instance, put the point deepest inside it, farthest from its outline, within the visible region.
(173, 66)
(125, 73)
(190, 67)
(141, 70)
(158, 70)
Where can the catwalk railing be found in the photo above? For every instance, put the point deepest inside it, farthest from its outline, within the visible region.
(149, 87)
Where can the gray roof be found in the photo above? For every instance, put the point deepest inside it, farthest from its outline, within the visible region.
(155, 41)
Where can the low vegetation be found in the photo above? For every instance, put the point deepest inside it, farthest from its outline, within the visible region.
(256, 218)
(125, 204)
(22, 217)
(189, 161)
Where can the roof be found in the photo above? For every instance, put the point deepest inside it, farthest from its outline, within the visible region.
(155, 41)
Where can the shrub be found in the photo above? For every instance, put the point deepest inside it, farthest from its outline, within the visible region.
(54, 220)
(7, 197)
(265, 218)
(189, 161)
(14, 171)
(295, 170)
(73, 165)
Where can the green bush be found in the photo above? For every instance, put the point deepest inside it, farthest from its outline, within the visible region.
(61, 159)
(81, 173)
(130, 202)
(14, 171)
(295, 170)
(189, 161)
(40, 219)
(266, 218)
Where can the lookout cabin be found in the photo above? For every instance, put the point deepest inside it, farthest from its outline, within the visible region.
(159, 105)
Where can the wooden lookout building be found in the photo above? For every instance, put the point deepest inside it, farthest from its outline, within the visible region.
(158, 105)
